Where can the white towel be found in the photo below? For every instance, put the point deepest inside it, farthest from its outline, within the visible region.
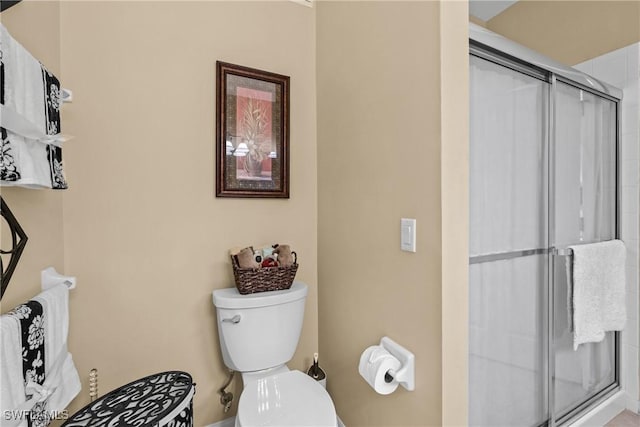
(30, 150)
(60, 372)
(12, 392)
(598, 290)
(28, 101)
(29, 163)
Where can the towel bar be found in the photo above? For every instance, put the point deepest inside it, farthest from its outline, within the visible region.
(562, 252)
(502, 256)
(569, 251)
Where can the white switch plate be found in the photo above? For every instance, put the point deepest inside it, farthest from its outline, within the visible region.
(408, 234)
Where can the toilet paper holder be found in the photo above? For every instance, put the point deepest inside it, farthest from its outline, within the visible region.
(406, 374)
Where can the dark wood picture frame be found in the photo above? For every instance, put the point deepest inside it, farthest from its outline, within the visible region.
(252, 132)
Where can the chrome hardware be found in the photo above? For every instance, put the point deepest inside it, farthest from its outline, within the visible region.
(226, 400)
(506, 255)
(226, 397)
(562, 252)
(235, 319)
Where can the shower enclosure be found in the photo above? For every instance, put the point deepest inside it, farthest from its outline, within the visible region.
(543, 176)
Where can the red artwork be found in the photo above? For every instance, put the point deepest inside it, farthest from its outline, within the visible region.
(253, 124)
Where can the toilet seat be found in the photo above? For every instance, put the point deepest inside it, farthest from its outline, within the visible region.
(286, 399)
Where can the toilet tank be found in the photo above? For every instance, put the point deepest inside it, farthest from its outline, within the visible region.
(259, 331)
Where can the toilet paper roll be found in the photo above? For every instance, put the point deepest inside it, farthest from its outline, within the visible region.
(375, 362)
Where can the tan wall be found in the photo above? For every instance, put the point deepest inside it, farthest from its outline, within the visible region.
(144, 232)
(454, 59)
(39, 212)
(379, 159)
(570, 31)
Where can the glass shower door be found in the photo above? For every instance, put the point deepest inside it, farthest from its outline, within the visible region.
(543, 176)
(508, 271)
(584, 212)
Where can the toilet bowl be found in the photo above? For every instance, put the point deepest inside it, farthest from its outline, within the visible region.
(258, 335)
(287, 399)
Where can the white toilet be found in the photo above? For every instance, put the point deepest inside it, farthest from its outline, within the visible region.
(258, 335)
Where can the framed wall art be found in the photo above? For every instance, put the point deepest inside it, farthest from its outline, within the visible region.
(252, 132)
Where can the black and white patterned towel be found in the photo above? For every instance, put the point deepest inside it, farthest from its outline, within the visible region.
(52, 101)
(31, 318)
(8, 158)
(29, 163)
(31, 99)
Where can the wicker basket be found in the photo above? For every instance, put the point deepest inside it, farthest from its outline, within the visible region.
(253, 280)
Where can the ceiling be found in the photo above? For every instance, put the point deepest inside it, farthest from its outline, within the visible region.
(487, 9)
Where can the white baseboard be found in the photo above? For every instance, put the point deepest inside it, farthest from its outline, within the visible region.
(231, 422)
(603, 413)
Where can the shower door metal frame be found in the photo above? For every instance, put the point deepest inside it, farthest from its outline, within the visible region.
(580, 409)
(494, 48)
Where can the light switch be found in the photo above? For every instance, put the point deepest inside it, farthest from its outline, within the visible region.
(408, 234)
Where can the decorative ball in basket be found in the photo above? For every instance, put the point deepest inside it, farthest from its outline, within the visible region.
(269, 269)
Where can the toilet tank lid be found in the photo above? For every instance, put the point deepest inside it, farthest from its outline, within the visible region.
(231, 298)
